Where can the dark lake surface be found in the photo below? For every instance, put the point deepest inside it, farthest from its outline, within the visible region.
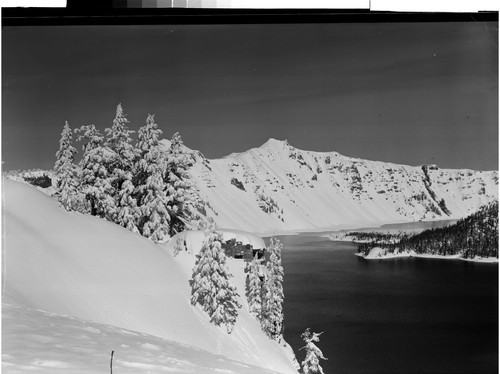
(404, 315)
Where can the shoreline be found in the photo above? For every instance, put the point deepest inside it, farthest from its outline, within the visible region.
(379, 256)
(394, 227)
(326, 231)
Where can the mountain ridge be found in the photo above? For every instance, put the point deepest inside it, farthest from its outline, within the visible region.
(274, 143)
(276, 187)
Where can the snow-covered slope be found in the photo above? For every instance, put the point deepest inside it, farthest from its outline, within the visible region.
(40, 342)
(83, 267)
(277, 187)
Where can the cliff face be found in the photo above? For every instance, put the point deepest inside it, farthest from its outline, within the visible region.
(278, 187)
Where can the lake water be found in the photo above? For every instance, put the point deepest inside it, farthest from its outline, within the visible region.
(404, 315)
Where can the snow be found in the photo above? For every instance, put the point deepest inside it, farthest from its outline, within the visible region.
(378, 253)
(42, 342)
(77, 287)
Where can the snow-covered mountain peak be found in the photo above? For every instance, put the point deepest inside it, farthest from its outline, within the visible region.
(276, 144)
(272, 145)
(275, 149)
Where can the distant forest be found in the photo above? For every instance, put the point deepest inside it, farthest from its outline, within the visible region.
(473, 236)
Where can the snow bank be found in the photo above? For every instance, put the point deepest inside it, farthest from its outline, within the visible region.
(42, 342)
(378, 253)
(84, 267)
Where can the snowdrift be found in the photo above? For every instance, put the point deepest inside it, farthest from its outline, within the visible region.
(43, 342)
(87, 271)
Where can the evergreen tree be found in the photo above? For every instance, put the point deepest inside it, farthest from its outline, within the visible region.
(128, 213)
(66, 171)
(311, 364)
(118, 139)
(96, 164)
(120, 142)
(254, 288)
(148, 136)
(184, 198)
(150, 192)
(210, 282)
(272, 308)
(154, 221)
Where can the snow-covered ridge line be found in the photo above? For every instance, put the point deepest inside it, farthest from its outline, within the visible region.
(277, 187)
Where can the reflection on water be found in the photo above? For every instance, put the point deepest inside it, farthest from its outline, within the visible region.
(405, 315)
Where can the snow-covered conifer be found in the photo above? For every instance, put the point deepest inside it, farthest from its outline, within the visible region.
(272, 306)
(121, 176)
(254, 288)
(91, 137)
(148, 136)
(127, 212)
(66, 154)
(311, 364)
(150, 192)
(210, 283)
(66, 171)
(185, 200)
(118, 139)
(95, 172)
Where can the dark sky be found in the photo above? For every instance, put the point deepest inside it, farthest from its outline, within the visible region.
(409, 93)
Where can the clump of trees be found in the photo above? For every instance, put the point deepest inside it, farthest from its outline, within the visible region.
(35, 177)
(470, 237)
(267, 204)
(254, 287)
(374, 237)
(272, 306)
(210, 283)
(238, 184)
(264, 290)
(211, 286)
(140, 185)
(42, 181)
